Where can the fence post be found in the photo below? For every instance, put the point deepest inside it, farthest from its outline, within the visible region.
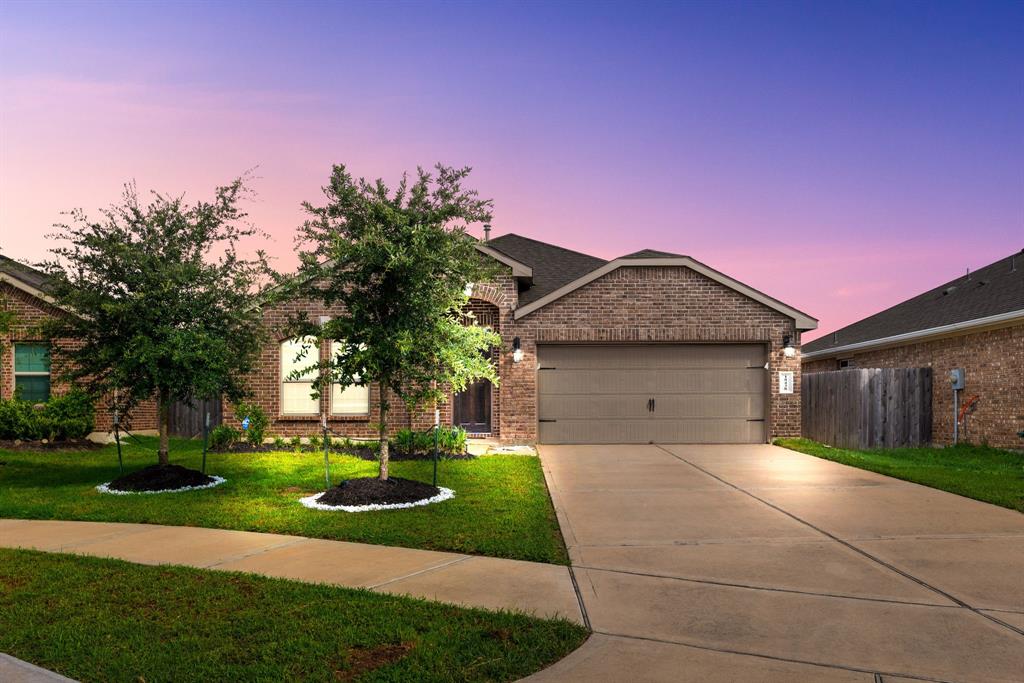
(206, 432)
(327, 460)
(117, 438)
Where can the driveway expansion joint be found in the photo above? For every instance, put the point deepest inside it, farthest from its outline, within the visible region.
(851, 546)
(771, 589)
(776, 658)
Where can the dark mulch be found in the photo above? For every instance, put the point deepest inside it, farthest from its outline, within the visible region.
(373, 491)
(47, 445)
(160, 478)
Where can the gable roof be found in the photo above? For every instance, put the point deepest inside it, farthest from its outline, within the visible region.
(991, 295)
(552, 266)
(651, 253)
(26, 278)
(802, 320)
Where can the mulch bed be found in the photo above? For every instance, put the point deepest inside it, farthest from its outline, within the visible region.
(47, 445)
(373, 491)
(160, 478)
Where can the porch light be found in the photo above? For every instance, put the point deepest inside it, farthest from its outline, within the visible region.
(787, 346)
(517, 351)
(468, 289)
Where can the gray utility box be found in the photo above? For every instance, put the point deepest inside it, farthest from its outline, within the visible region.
(957, 378)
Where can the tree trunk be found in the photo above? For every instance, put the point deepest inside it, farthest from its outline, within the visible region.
(383, 475)
(164, 408)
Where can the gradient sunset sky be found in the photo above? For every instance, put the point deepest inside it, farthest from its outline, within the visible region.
(838, 156)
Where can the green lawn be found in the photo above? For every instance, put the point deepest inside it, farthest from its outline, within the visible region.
(501, 505)
(106, 620)
(989, 474)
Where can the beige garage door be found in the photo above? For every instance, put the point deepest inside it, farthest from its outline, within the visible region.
(671, 393)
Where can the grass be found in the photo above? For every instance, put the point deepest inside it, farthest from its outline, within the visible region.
(988, 474)
(501, 506)
(106, 620)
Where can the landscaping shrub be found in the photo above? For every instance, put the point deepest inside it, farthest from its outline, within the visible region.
(67, 416)
(223, 437)
(279, 442)
(450, 440)
(258, 422)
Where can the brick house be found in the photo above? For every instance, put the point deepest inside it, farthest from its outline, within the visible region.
(975, 322)
(33, 364)
(649, 347)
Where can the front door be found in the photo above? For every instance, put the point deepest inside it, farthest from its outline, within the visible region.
(472, 408)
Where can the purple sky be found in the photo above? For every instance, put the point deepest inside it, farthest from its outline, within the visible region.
(840, 157)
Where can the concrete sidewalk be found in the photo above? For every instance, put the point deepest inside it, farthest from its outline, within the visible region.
(490, 583)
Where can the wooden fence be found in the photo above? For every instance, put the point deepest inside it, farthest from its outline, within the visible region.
(187, 420)
(868, 407)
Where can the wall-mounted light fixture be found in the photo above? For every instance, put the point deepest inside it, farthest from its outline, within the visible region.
(787, 346)
(517, 350)
(468, 289)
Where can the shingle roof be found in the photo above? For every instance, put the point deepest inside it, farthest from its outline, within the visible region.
(552, 266)
(26, 274)
(992, 290)
(652, 253)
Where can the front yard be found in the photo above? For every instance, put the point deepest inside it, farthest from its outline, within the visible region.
(106, 620)
(988, 474)
(501, 506)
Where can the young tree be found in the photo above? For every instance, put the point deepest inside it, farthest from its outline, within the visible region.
(398, 264)
(163, 300)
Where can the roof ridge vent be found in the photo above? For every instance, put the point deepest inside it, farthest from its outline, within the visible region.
(948, 290)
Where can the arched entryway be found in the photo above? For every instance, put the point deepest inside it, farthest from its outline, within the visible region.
(473, 409)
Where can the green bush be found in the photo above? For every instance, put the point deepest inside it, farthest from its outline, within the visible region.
(258, 421)
(450, 441)
(223, 437)
(296, 442)
(66, 416)
(279, 442)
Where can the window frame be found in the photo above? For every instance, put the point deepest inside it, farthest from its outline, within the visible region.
(330, 408)
(15, 374)
(283, 377)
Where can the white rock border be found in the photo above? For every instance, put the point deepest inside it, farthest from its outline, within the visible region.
(312, 504)
(105, 488)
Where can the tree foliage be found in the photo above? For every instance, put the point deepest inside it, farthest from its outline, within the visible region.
(397, 263)
(161, 299)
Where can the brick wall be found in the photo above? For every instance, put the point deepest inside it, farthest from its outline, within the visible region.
(646, 304)
(994, 365)
(30, 312)
(631, 304)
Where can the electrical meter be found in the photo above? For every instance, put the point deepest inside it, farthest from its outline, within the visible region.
(956, 378)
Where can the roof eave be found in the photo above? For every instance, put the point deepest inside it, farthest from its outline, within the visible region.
(803, 321)
(28, 289)
(953, 329)
(519, 269)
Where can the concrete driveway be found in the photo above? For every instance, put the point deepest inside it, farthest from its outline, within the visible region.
(756, 563)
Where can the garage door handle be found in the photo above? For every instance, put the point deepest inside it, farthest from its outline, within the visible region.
(547, 420)
(654, 405)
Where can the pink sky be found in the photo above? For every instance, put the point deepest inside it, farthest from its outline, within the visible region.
(840, 176)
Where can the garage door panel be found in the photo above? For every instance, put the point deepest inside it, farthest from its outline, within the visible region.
(650, 381)
(652, 431)
(747, 406)
(703, 393)
(567, 356)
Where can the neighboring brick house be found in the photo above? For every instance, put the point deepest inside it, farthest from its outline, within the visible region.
(34, 364)
(975, 322)
(650, 347)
